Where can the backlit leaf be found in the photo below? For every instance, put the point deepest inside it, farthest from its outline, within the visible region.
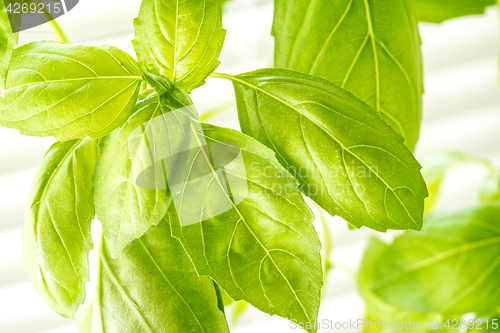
(452, 267)
(69, 91)
(180, 40)
(253, 234)
(125, 209)
(56, 233)
(437, 11)
(345, 156)
(152, 287)
(7, 41)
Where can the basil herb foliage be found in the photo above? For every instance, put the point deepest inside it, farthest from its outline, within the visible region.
(194, 216)
(153, 283)
(122, 159)
(346, 157)
(448, 270)
(49, 84)
(56, 233)
(179, 40)
(436, 265)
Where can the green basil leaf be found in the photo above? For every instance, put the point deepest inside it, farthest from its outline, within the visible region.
(436, 11)
(377, 309)
(125, 209)
(452, 267)
(69, 91)
(153, 287)
(8, 39)
(180, 40)
(345, 156)
(369, 47)
(56, 233)
(256, 237)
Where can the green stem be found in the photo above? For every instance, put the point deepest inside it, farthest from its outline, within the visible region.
(328, 248)
(348, 270)
(221, 76)
(57, 29)
(327, 241)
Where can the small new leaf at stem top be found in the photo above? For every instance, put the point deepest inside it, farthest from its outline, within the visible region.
(56, 235)
(7, 41)
(69, 91)
(345, 156)
(152, 287)
(180, 40)
(369, 47)
(452, 267)
(436, 11)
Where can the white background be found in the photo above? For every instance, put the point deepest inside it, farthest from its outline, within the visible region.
(461, 112)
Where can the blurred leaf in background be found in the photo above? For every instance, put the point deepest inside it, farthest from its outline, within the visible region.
(452, 267)
(436, 11)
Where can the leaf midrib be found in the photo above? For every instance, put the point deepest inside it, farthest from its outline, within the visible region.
(134, 78)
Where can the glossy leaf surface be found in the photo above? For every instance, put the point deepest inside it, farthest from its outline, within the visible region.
(345, 156)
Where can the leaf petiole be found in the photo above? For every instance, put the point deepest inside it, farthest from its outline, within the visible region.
(55, 26)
